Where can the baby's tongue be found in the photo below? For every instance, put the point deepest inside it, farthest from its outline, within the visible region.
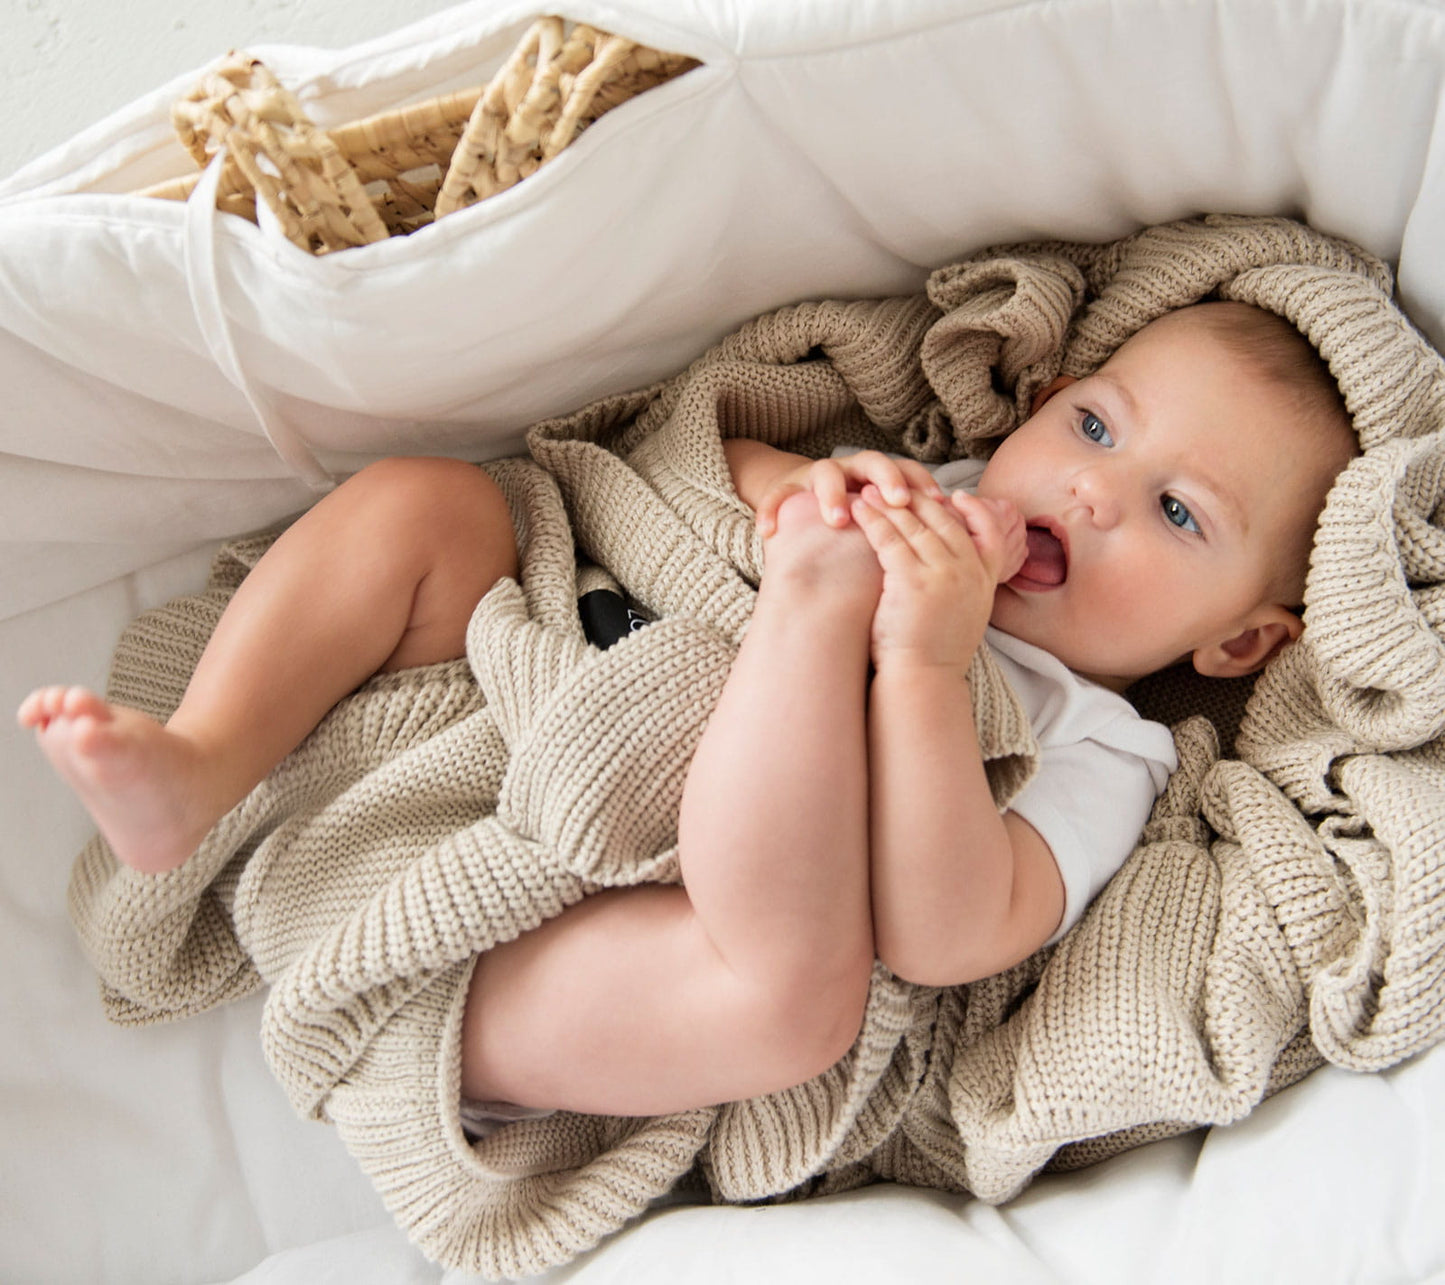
(1045, 561)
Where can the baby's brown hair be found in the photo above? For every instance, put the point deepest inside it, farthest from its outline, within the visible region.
(1280, 352)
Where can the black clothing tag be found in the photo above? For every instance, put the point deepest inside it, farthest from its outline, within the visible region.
(607, 617)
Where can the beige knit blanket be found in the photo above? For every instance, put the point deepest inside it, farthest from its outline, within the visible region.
(1283, 908)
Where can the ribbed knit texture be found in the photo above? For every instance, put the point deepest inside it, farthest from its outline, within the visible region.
(1283, 907)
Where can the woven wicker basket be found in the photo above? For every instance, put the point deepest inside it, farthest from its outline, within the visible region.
(391, 174)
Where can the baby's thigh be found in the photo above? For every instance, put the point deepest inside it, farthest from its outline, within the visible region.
(621, 1005)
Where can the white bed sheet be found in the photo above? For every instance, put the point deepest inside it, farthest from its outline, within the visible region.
(169, 1155)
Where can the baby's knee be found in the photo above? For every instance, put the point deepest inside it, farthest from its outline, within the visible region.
(422, 483)
(429, 498)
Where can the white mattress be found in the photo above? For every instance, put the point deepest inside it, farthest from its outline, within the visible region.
(828, 147)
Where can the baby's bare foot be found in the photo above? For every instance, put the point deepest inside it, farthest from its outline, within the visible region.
(135, 778)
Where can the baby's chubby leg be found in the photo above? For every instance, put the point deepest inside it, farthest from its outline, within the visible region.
(381, 574)
(754, 975)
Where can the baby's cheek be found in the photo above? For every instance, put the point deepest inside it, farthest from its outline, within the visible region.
(1151, 609)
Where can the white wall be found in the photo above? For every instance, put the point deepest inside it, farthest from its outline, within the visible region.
(65, 64)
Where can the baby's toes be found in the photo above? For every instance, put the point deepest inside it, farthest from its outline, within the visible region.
(46, 704)
(37, 709)
(28, 710)
(81, 702)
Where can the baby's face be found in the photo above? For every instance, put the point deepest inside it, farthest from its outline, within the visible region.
(1162, 494)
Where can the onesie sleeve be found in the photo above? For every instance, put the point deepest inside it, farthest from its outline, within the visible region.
(1089, 802)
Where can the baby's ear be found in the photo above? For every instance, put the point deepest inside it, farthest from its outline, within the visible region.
(1043, 395)
(1270, 628)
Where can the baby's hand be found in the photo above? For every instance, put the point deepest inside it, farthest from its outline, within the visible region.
(832, 481)
(942, 562)
(998, 533)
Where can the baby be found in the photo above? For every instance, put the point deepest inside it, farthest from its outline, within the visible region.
(837, 807)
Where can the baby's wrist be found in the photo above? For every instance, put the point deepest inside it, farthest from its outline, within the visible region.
(906, 665)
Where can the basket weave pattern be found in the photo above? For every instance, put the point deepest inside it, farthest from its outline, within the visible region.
(393, 173)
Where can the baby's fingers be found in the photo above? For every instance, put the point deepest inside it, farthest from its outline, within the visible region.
(877, 522)
(896, 480)
(828, 481)
(923, 533)
(997, 530)
(766, 515)
(920, 479)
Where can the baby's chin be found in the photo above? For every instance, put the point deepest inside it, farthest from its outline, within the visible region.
(1014, 619)
(1011, 615)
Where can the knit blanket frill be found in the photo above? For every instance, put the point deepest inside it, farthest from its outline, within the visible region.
(1284, 907)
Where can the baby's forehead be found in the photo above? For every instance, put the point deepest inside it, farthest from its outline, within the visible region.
(1257, 433)
(1196, 327)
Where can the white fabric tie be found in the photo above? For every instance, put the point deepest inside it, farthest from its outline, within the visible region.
(203, 282)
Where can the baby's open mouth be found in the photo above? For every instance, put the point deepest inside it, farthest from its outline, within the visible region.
(1047, 563)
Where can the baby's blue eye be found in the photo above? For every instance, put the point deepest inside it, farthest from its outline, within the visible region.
(1095, 429)
(1177, 512)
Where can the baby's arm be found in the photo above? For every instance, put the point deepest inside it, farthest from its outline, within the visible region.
(959, 890)
(755, 975)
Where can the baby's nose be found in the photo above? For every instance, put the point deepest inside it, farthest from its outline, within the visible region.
(1095, 491)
